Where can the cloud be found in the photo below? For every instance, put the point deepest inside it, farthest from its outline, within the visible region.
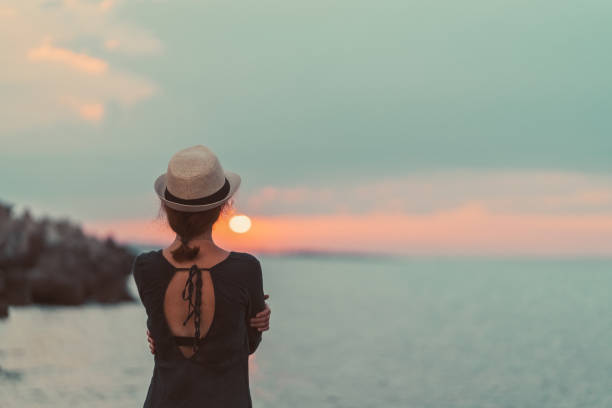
(465, 212)
(111, 44)
(130, 41)
(106, 5)
(529, 191)
(6, 12)
(91, 111)
(61, 65)
(81, 62)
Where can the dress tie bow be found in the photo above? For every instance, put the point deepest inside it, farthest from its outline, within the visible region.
(194, 307)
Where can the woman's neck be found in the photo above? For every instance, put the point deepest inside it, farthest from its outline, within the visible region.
(204, 241)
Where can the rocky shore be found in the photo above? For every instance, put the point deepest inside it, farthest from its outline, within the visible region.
(53, 262)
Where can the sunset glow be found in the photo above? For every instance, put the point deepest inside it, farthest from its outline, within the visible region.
(470, 229)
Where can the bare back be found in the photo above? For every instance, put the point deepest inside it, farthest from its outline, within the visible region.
(176, 306)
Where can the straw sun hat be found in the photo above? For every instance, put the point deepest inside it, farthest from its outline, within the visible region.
(195, 181)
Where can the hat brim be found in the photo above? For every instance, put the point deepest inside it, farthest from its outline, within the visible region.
(160, 187)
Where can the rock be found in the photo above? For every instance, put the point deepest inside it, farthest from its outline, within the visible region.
(3, 299)
(17, 287)
(53, 262)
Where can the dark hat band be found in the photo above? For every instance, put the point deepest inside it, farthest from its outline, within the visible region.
(219, 195)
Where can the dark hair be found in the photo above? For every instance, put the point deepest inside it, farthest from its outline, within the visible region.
(188, 225)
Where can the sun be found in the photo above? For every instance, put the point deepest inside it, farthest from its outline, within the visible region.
(240, 224)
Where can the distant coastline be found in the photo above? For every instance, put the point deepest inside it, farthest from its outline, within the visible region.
(137, 248)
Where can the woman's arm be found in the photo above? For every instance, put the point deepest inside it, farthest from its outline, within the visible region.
(256, 302)
(261, 322)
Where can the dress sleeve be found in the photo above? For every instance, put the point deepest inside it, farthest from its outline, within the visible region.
(149, 286)
(136, 274)
(256, 305)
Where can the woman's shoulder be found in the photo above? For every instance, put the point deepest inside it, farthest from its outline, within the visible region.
(145, 257)
(248, 265)
(146, 263)
(245, 257)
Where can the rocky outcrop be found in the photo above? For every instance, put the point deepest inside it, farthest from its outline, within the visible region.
(54, 262)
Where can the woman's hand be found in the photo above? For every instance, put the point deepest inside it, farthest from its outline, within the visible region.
(261, 321)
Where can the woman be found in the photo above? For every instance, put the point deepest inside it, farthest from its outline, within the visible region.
(199, 298)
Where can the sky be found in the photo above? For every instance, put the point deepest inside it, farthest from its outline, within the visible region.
(402, 127)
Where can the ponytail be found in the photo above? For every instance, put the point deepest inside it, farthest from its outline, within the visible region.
(187, 225)
(184, 252)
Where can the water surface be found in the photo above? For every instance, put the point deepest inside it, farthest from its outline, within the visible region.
(355, 332)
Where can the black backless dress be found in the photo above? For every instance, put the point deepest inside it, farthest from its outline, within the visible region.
(216, 375)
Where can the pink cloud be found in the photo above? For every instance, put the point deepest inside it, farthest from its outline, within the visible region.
(45, 67)
(106, 5)
(518, 212)
(92, 111)
(529, 191)
(111, 44)
(100, 6)
(81, 62)
(6, 12)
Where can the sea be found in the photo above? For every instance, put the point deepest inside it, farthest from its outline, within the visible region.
(355, 331)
